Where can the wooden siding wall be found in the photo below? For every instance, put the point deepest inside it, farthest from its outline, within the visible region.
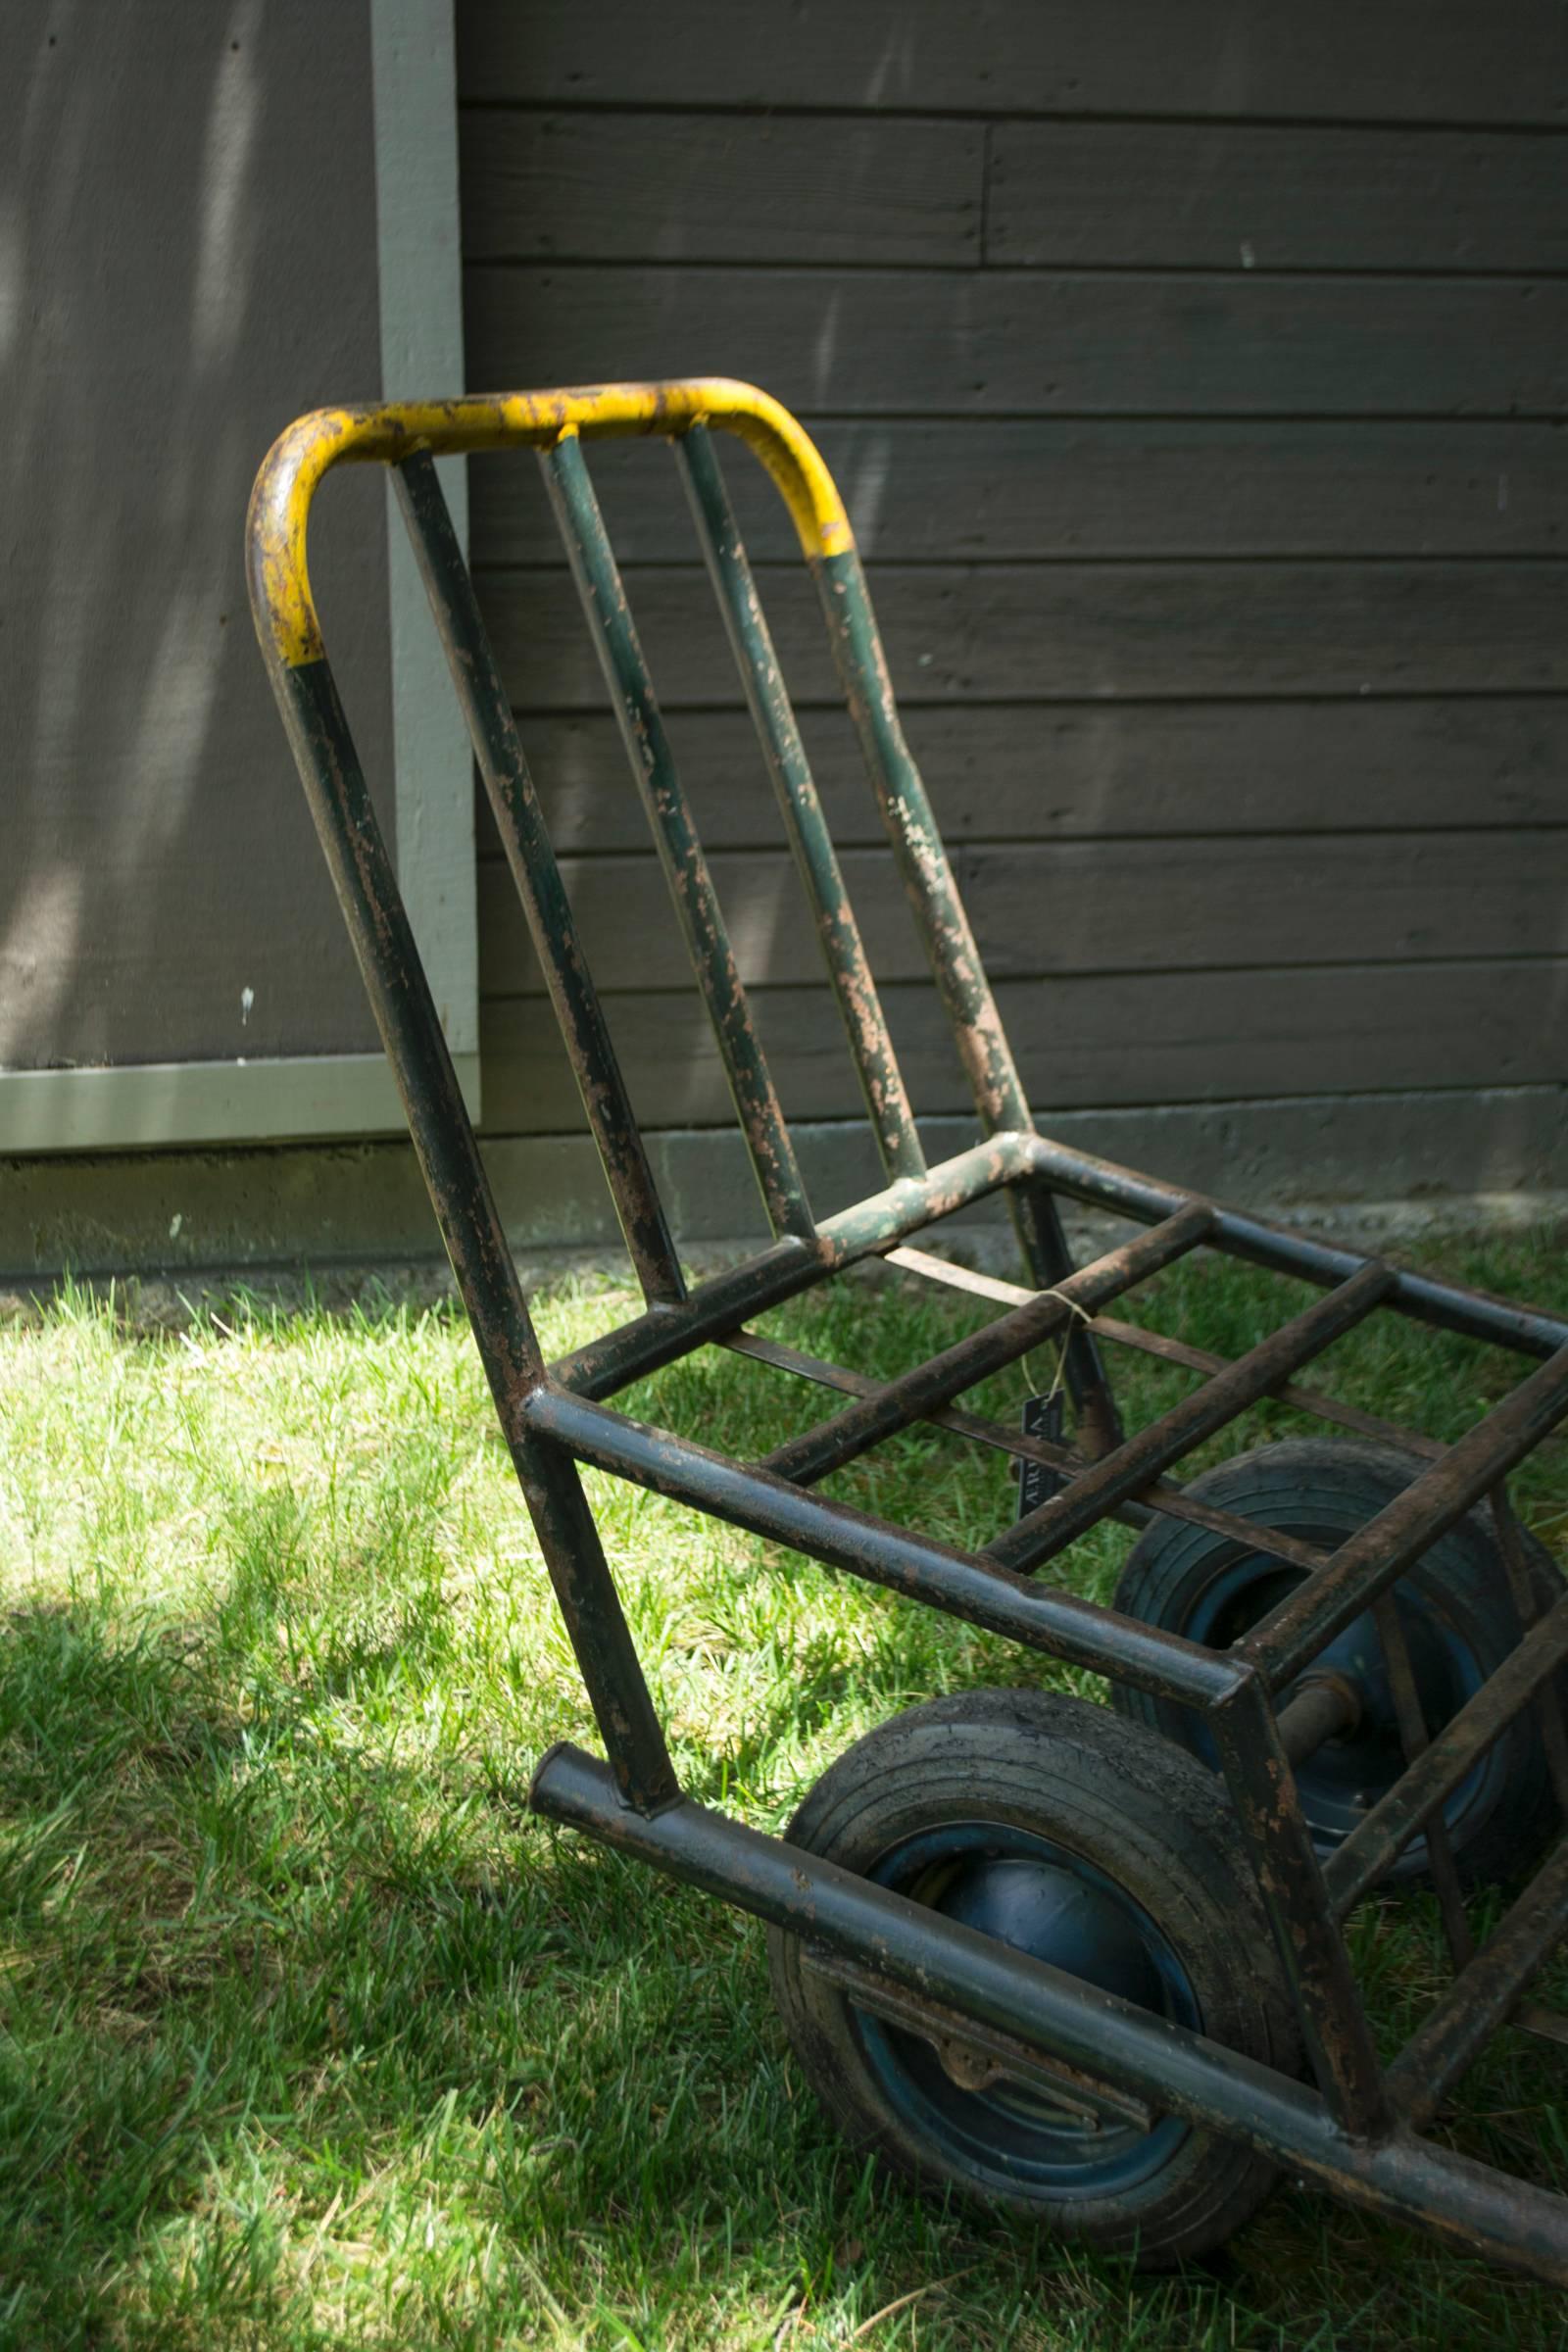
(1196, 377)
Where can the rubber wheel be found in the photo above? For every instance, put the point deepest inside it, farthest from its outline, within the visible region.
(1458, 1619)
(1092, 1845)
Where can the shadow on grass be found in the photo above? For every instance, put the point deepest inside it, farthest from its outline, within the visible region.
(250, 1967)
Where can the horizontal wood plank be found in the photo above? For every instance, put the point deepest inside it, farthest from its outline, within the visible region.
(994, 489)
(1403, 61)
(967, 343)
(720, 189)
(1079, 906)
(1206, 522)
(1217, 196)
(999, 770)
(1139, 1038)
(974, 633)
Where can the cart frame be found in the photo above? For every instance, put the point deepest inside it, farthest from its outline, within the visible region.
(1359, 2127)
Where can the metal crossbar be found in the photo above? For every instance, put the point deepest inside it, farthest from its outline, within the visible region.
(970, 1362)
(1062, 1519)
(1370, 1562)
(961, 1584)
(1162, 1498)
(1315, 1402)
(1481, 1996)
(1443, 1761)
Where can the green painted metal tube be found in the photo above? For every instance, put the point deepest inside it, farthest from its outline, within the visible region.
(950, 944)
(790, 1266)
(774, 717)
(917, 845)
(552, 925)
(691, 885)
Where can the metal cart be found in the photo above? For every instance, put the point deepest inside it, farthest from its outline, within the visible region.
(1089, 1963)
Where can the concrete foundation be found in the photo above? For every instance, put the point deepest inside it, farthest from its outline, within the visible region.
(1409, 1163)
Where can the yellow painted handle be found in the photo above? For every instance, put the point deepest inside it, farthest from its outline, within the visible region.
(280, 502)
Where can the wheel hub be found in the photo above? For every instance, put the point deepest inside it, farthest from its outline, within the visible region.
(1022, 1890)
(1340, 1780)
(1052, 1915)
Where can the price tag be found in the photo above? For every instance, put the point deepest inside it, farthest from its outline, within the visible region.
(1042, 1418)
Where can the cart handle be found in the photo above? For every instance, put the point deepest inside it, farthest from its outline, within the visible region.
(300, 457)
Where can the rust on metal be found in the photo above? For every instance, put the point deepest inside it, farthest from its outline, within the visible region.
(1116, 1476)
(968, 1361)
(1324, 1706)
(1369, 1562)
(1482, 1995)
(1334, 2025)
(993, 2014)
(1444, 1759)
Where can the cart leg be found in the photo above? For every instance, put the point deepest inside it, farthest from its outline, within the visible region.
(1306, 1935)
(471, 1227)
(585, 1589)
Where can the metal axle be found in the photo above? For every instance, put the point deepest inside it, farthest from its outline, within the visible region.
(1325, 1706)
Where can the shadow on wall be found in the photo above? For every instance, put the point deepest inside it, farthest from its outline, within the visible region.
(187, 260)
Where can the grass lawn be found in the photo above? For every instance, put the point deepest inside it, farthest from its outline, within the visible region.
(308, 2036)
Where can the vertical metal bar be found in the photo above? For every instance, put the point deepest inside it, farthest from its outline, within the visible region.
(961, 978)
(552, 926)
(1373, 1845)
(774, 717)
(411, 1028)
(1306, 1935)
(1415, 1740)
(471, 1224)
(918, 845)
(1479, 1999)
(691, 886)
(1531, 1596)
(601, 1638)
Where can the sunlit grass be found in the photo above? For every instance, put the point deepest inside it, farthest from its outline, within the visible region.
(310, 2036)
